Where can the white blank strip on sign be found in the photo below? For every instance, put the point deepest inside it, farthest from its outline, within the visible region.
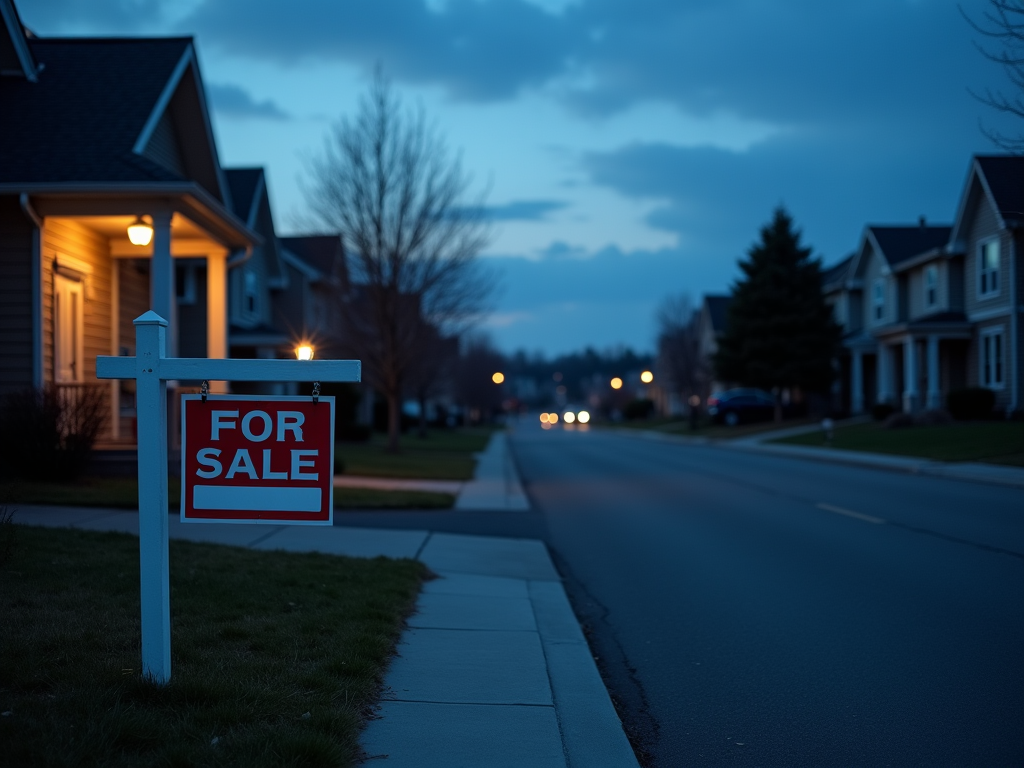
(256, 499)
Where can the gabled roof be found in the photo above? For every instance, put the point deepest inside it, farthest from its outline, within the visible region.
(109, 111)
(244, 184)
(717, 309)
(1000, 178)
(833, 277)
(898, 244)
(322, 253)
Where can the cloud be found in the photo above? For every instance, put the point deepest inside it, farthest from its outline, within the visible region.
(474, 50)
(519, 210)
(233, 101)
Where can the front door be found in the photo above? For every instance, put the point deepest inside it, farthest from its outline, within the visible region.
(68, 316)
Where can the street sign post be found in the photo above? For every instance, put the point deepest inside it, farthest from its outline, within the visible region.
(152, 369)
(256, 459)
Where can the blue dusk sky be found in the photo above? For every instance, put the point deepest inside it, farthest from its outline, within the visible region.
(630, 150)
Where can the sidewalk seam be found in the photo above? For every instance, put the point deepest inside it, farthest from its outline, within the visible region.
(423, 545)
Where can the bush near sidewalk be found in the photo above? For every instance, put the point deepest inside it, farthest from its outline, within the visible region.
(277, 658)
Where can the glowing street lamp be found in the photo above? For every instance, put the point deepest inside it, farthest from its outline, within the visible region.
(646, 377)
(498, 377)
(304, 352)
(582, 417)
(552, 418)
(139, 232)
(543, 418)
(569, 417)
(616, 383)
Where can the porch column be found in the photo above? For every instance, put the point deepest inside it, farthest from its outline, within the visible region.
(857, 381)
(910, 393)
(161, 279)
(217, 312)
(885, 388)
(934, 391)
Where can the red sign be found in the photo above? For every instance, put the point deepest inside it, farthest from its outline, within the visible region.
(257, 459)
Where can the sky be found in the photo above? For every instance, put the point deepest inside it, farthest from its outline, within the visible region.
(629, 150)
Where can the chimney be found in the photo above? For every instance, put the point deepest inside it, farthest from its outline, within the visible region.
(922, 222)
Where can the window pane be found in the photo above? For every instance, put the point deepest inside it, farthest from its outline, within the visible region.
(986, 360)
(997, 358)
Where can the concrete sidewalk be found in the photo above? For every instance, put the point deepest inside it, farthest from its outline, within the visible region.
(495, 484)
(453, 487)
(493, 670)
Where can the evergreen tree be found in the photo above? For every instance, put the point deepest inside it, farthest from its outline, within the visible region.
(779, 331)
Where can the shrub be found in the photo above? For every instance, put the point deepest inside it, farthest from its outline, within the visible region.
(899, 421)
(49, 434)
(971, 403)
(640, 408)
(933, 418)
(882, 411)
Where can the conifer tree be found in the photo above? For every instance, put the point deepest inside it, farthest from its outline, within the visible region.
(779, 330)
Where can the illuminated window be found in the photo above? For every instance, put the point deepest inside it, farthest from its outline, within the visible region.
(988, 268)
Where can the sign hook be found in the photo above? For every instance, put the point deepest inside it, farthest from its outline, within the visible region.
(205, 390)
(316, 392)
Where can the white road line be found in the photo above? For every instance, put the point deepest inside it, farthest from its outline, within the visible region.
(850, 513)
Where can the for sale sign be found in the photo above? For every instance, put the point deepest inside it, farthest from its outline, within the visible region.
(257, 459)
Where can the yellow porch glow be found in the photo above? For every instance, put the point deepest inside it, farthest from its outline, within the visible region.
(304, 352)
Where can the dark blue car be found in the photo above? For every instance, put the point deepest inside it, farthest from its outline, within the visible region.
(741, 406)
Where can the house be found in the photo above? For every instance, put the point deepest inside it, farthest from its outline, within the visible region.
(929, 309)
(100, 135)
(711, 322)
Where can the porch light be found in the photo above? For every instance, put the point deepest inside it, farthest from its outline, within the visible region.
(646, 377)
(498, 377)
(616, 383)
(304, 352)
(139, 232)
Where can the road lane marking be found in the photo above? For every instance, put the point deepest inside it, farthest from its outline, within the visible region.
(851, 513)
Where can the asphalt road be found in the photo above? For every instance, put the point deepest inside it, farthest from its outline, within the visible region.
(762, 611)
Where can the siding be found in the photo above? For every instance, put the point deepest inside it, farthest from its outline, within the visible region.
(163, 146)
(983, 224)
(872, 272)
(69, 238)
(918, 287)
(16, 233)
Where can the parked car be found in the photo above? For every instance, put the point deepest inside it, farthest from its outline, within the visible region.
(740, 406)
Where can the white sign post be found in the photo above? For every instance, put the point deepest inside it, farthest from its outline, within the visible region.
(152, 369)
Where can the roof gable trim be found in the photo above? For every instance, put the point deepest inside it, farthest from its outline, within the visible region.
(17, 36)
(975, 174)
(162, 103)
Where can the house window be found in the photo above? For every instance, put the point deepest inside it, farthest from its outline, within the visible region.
(992, 358)
(68, 319)
(931, 286)
(878, 299)
(988, 268)
(249, 292)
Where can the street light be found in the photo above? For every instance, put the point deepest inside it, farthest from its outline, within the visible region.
(498, 377)
(304, 352)
(569, 417)
(582, 417)
(616, 383)
(139, 232)
(646, 377)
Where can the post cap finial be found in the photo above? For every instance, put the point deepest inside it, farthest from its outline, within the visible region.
(150, 318)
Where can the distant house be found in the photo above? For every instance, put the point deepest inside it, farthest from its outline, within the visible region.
(711, 323)
(929, 309)
(96, 134)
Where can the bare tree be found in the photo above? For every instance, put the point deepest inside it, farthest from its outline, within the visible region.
(679, 357)
(386, 181)
(1002, 25)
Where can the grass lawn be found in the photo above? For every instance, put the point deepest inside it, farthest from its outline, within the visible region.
(123, 493)
(277, 658)
(995, 442)
(705, 428)
(442, 455)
